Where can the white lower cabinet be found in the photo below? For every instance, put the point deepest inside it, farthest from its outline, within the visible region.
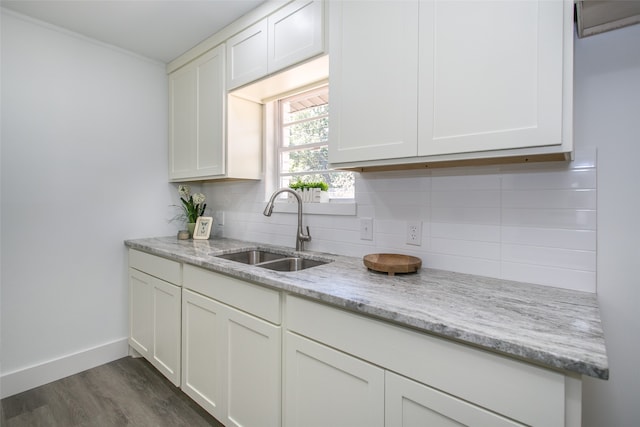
(344, 369)
(140, 312)
(411, 404)
(230, 358)
(226, 343)
(154, 306)
(202, 368)
(362, 394)
(325, 387)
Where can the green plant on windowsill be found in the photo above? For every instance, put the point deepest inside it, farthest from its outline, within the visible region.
(299, 185)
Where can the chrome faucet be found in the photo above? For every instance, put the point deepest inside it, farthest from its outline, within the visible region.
(301, 237)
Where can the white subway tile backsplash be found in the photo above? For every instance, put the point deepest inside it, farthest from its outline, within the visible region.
(464, 181)
(364, 197)
(412, 184)
(550, 237)
(399, 211)
(335, 235)
(550, 218)
(394, 241)
(466, 248)
(466, 198)
(472, 232)
(468, 215)
(556, 199)
(365, 210)
(554, 257)
(553, 179)
(481, 267)
(584, 158)
(405, 198)
(389, 226)
(533, 223)
(550, 276)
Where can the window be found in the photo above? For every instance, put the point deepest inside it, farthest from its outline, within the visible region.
(302, 143)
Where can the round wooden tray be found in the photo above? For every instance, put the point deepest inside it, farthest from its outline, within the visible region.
(392, 263)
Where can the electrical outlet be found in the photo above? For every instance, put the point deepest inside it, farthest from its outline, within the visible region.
(366, 229)
(414, 233)
(219, 218)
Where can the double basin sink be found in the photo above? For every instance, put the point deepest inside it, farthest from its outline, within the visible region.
(273, 260)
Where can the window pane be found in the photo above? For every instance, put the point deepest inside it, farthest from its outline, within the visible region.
(303, 144)
(316, 159)
(306, 132)
(290, 116)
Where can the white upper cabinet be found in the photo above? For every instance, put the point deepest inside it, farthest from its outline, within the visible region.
(216, 135)
(247, 55)
(373, 75)
(211, 135)
(197, 118)
(290, 35)
(424, 81)
(295, 34)
(490, 75)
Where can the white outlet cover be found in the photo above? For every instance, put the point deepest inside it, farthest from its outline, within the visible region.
(366, 229)
(414, 233)
(219, 218)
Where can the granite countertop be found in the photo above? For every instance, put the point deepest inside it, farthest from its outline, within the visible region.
(554, 327)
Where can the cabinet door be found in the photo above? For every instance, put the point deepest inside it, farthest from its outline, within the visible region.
(411, 404)
(324, 387)
(230, 362)
(197, 118)
(295, 33)
(140, 312)
(166, 329)
(374, 80)
(154, 322)
(253, 371)
(491, 75)
(247, 55)
(202, 358)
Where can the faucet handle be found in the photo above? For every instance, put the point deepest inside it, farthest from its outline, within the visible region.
(306, 237)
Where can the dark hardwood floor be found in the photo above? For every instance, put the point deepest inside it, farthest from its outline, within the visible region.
(125, 392)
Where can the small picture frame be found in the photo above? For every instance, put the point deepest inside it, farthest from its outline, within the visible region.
(203, 228)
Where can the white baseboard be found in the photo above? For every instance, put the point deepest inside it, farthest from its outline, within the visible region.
(34, 376)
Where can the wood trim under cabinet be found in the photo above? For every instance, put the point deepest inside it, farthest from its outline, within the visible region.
(537, 158)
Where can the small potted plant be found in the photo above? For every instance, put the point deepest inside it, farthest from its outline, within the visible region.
(193, 206)
(313, 191)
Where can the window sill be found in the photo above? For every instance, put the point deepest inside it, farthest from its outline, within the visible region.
(332, 208)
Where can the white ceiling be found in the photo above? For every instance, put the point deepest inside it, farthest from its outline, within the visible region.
(157, 29)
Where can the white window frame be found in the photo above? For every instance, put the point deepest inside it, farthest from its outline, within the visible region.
(280, 149)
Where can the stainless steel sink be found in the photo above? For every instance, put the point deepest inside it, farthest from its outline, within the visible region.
(253, 256)
(273, 260)
(291, 264)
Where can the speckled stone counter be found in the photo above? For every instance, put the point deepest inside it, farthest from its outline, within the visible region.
(553, 327)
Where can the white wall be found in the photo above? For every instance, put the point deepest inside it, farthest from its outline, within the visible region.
(536, 223)
(84, 167)
(607, 116)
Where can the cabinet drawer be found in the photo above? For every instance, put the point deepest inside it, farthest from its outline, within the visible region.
(167, 270)
(518, 390)
(251, 298)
